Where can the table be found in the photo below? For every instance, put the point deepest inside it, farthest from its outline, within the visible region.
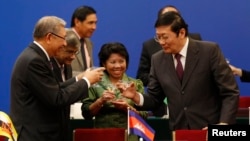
(160, 125)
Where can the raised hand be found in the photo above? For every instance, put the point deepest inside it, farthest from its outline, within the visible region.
(94, 75)
(127, 90)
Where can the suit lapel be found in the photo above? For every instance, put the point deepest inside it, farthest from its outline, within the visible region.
(79, 60)
(79, 55)
(57, 70)
(42, 54)
(191, 61)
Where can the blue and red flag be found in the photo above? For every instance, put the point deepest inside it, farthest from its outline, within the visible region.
(137, 126)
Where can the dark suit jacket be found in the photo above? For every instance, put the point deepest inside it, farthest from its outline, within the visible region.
(148, 49)
(67, 73)
(69, 81)
(37, 100)
(245, 76)
(208, 94)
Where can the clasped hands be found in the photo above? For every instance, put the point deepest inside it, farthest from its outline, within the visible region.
(109, 96)
(127, 91)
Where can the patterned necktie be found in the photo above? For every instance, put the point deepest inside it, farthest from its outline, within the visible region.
(179, 67)
(83, 54)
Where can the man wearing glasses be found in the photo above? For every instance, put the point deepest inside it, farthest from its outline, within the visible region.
(38, 101)
(193, 75)
(150, 47)
(62, 61)
(63, 70)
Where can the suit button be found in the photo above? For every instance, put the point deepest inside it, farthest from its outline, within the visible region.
(185, 108)
(182, 92)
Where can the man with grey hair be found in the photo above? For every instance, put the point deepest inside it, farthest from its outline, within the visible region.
(37, 99)
(63, 70)
(63, 59)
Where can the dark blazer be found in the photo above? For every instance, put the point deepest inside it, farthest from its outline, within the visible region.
(208, 94)
(67, 73)
(37, 101)
(245, 76)
(148, 49)
(69, 81)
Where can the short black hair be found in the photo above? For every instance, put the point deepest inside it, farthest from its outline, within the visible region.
(81, 13)
(112, 47)
(172, 19)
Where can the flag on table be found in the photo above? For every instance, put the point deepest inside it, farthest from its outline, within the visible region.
(137, 126)
(7, 128)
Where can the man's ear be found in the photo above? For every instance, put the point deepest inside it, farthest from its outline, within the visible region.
(182, 32)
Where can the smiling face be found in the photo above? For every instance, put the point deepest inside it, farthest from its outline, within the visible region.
(115, 66)
(66, 55)
(56, 41)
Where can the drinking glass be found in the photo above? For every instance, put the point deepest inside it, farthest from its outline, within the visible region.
(97, 83)
(125, 83)
(112, 88)
(227, 60)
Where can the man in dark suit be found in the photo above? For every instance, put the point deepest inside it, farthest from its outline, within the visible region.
(37, 99)
(242, 73)
(63, 71)
(150, 47)
(206, 91)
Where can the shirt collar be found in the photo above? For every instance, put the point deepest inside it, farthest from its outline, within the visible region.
(40, 46)
(73, 29)
(183, 52)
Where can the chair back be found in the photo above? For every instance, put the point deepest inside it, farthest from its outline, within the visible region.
(243, 108)
(190, 135)
(100, 134)
(3, 138)
(244, 102)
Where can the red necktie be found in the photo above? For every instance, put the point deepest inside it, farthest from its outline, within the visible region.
(179, 68)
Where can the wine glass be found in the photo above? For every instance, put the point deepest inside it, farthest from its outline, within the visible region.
(112, 88)
(227, 60)
(97, 83)
(125, 83)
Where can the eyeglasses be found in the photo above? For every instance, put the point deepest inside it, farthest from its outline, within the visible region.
(71, 52)
(163, 38)
(57, 35)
